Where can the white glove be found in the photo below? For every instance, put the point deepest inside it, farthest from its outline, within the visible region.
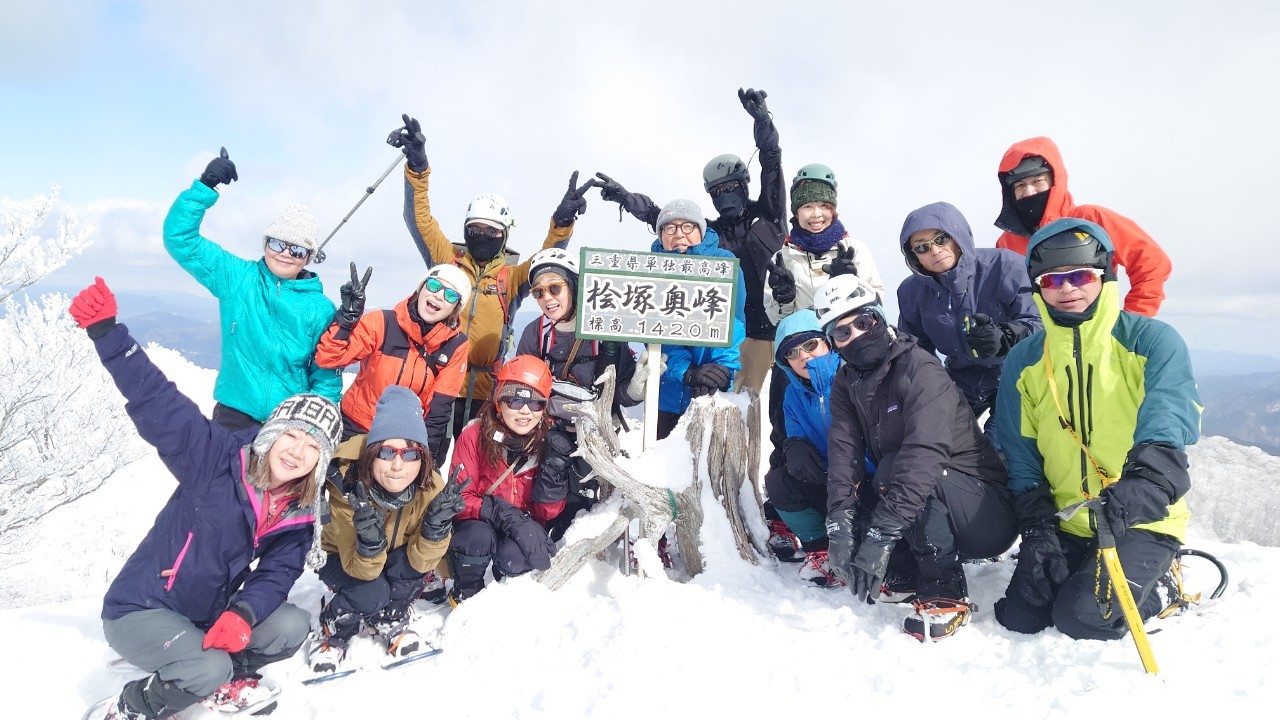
(635, 390)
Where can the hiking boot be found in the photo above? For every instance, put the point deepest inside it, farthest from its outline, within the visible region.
(249, 694)
(941, 616)
(897, 589)
(783, 543)
(433, 589)
(392, 624)
(329, 644)
(817, 570)
(120, 710)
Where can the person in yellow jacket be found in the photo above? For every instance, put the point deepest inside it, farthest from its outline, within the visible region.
(391, 523)
(1102, 402)
(497, 287)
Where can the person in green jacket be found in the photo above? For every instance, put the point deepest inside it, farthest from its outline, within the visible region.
(272, 310)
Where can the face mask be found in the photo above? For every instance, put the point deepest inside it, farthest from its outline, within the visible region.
(485, 248)
(1030, 209)
(868, 350)
(731, 204)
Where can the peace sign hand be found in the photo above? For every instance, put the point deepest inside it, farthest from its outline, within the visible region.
(371, 534)
(411, 142)
(352, 300)
(219, 171)
(781, 282)
(437, 523)
(843, 263)
(573, 204)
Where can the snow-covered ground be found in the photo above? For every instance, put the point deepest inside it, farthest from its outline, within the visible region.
(740, 640)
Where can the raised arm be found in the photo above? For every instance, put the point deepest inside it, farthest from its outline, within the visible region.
(640, 206)
(773, 187)
(209, 264)
(427, 236)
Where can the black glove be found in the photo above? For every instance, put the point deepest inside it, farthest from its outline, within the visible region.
(781, 282)
(753, 101)
(551, 484)
(1133, 501)
(640, 206)
(527, 534)
(804, 462)
(872, 559)
(371, 536)
(573, 204)
(842, 539)
(437, 523)
(352, 293)
(706, 379)
(842, 264)
(219, 171)
(411, 142)
(1042, 567)
(989, 338)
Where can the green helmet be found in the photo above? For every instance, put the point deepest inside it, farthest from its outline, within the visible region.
(815, 171)
(722, 169)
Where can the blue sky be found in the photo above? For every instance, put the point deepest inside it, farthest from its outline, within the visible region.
(1164, 111)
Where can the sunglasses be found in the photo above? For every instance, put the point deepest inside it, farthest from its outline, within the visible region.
(295, 251)
(479, 232)
(408, 454)
(518, 403)
(1055, 280)
(861, 322)
(809, 347)
(940, 239)
(434, 285)
(721, 189)
(685, 228)
(548, 289)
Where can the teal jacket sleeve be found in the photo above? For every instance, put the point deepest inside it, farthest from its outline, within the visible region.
(209, 264)
(1021, 453)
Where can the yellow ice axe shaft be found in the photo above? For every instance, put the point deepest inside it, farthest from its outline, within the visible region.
(1107, 547)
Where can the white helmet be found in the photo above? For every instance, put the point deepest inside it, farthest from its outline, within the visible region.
(842, 295)
(552, 258)
(451, 276)
(491, 207)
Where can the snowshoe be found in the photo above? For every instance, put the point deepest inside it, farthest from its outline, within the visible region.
(816, 570)
(937, 618)
(249, 694)
(111, 708)
(392, 626)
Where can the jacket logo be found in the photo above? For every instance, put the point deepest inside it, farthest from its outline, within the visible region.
(891, 408)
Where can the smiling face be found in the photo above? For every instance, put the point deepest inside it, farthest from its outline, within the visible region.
(938, 258)
(520, 421)
(680, 235)
(816, 216)
(282, 264)
(397, 474)
(1069, 297)
(432, 306)
(293, 455)
(552, 294)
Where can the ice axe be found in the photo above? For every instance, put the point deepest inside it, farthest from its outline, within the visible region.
(1107, 547)
(367, 192)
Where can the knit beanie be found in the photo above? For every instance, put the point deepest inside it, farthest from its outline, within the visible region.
(453, 277)
(398, 415)
(809, 191)
(519, 390)
(320, 418)
(295, 225)
(682, 209)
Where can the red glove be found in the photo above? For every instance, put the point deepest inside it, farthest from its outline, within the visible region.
(231, 633)
(94, 304)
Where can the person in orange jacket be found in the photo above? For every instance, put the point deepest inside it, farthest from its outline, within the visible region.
(417, 345)
(1033, 183)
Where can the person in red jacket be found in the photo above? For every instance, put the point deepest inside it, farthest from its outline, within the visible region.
(512, 491)
(416, 345)
(1033, 183)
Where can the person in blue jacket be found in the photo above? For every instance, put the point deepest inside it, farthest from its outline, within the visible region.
(273, 310)
(969, 304)
(690, 371)
(189, 606)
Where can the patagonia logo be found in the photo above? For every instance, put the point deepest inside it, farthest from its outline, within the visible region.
(891, 408)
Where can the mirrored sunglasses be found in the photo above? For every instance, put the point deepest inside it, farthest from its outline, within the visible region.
(408, 454)
(550, 288)
(1055, 280)
(861, 322)
(434, 285)
(809, 347)
(940, 239)
(295, 251)
(477, 231)
(518, 403)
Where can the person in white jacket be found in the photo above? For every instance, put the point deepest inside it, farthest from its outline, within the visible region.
(818, 248)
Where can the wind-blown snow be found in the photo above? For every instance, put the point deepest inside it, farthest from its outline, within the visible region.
(738, 641)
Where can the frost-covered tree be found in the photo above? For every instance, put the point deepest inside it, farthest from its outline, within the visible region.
(63, 428)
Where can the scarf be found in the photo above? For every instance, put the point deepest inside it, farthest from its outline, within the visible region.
(816, 243)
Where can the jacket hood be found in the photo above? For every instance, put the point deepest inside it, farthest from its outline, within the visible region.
(797, 322)
(1060, 202)
(935, 216)
(710, 241)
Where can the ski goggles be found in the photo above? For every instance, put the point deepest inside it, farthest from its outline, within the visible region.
(553, 289)
(479, 231)
(1055, 280)
(519, 403)
(408, 454)
(861, 322)
(434, 285)
(295, 251)
(940, 239)
(809, 346)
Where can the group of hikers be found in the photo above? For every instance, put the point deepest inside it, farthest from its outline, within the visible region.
(880, 478)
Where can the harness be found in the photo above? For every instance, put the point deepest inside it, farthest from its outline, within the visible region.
(547, 335)
(505, 338)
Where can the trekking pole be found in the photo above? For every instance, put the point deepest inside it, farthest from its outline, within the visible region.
(367, 192)
(1107, 547)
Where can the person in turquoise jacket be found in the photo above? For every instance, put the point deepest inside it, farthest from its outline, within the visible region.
(272, 310)
(690, 371)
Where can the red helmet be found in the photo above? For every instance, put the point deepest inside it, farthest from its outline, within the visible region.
(528, 370)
